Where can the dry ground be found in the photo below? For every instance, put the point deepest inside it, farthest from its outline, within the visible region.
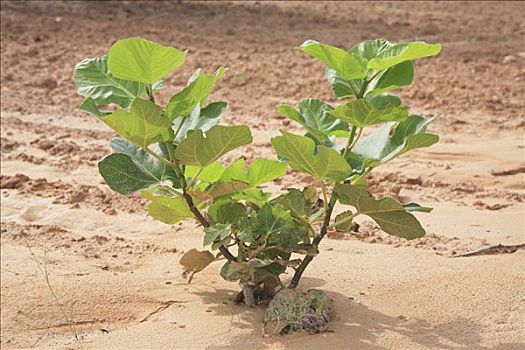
(116, 269)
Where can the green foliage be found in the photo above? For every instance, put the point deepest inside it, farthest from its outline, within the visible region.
(201, 151)
(391, 216)
(99, 86)
(198, 89)
(172, 155)
(143, 125)
(301, 151)
(314, 116)
(142, 60)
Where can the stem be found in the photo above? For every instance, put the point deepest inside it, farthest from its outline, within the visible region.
(149, 91)
(178, 128)
(354, 89)
(315, 243)
(365, 173)
(350, 140)
(356, 139)
(160, 158)
(173, 191)
(202, 220)
(194, 177)
(325, 197)
(373, 76)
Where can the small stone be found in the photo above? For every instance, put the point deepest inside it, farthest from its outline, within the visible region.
(509, 59)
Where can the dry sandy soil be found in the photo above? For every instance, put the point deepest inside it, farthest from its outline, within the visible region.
(116, 271)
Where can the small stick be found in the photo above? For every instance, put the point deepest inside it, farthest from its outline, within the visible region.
(495, 249)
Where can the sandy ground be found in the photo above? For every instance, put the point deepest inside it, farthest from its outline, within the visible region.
(116, 271)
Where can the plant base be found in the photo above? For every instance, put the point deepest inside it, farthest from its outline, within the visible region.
(292, 310)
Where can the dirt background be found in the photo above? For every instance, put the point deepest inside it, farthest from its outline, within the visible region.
(116, 271)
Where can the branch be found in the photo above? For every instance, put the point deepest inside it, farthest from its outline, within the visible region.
(202, 220)
(315, 243)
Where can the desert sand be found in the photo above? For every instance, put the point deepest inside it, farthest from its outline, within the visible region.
(116, 271)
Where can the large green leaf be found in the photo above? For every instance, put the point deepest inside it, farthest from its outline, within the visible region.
(167, 209)
(371, 111)
(259, 171)
(314, 115)
(382, 54)
(386, 212)
(347, 65)
(142, 60)
(124, 175)
(382, 145)
(202, 119)
(341, 86)
(145, 161)
(299, 151)
(94, 81)
(143, 125)
(225, 211)
(198, 89)
(393, 78)
(267, 223)
(201, 151)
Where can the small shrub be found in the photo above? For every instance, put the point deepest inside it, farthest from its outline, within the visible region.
(170, 155)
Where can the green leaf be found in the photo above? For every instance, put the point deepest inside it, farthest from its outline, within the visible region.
(143, 125)
(125, 176)
(217, 232)
(93, 80)
(380, 146)
(386, 212)
(199, 119)
(341, 86)
(416, 207)
(225, 188)
(342, 221)
(371, 111)
(259, 171)
(233, 271)
(210, 174)
(89, 105)
(253, 196)
(225, 211)
(382, 54)
(347, 65)
(314, 116)
(198, 89)
(142, 60)
(300, 203)
(199, 151)
(267, 223)
(299, 151)
(169, 210)
(393, 78)
(133, 169)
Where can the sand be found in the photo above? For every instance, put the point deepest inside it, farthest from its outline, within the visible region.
(116, 271)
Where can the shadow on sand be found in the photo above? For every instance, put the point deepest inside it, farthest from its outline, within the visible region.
(355, 326)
